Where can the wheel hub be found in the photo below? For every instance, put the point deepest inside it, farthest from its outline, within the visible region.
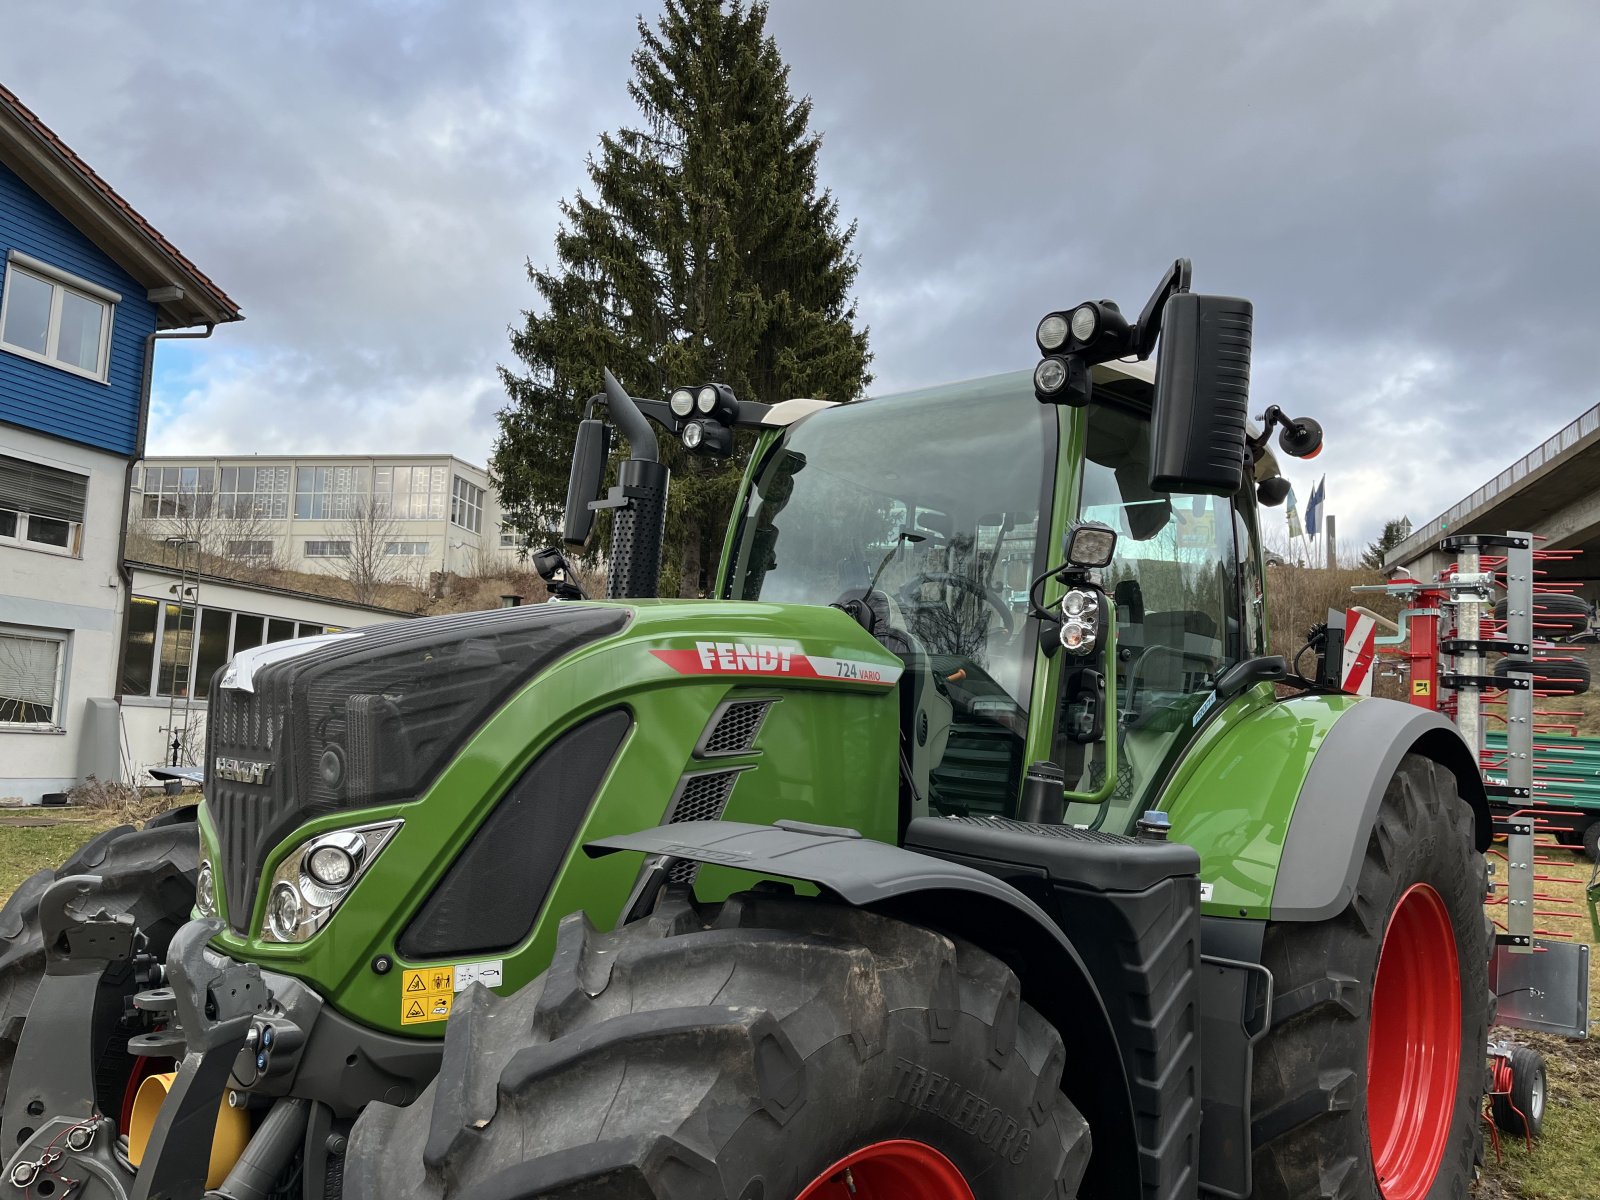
(1414, 1046)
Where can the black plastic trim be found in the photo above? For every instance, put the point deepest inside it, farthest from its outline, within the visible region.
(1338, 802)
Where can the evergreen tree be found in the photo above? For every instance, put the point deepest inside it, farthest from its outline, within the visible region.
(706, 253)
(1394, 532)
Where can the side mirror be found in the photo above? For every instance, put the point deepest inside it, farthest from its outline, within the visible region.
(1198, 435)
(583, 485)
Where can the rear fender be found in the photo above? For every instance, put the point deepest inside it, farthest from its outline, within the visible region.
(955, 899)
(1338, 803)
(1281, 800)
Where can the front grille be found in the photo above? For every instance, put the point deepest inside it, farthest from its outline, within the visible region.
(699, 797)
(367, 720)
(733, 728)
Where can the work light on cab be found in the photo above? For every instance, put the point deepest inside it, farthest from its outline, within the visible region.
(1052, 333)
(682, 402)
(1091, 544)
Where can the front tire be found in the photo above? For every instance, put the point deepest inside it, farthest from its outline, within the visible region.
(1349, 1098)
(772, 1048)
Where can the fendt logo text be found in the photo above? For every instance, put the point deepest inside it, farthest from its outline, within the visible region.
(242, 770)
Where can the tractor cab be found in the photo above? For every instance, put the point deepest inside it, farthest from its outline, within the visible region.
(930, 516)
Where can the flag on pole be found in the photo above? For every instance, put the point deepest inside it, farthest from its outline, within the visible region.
(1294, 516)
(1314, 507)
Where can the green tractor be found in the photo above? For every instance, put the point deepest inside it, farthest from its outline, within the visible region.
(969, 843)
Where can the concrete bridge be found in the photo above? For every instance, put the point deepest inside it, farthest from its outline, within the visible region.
(1553, 491)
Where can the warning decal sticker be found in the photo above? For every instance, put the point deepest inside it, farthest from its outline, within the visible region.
(773, 661)
(427, 994)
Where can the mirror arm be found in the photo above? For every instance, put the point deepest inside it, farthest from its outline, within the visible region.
(1148, 327)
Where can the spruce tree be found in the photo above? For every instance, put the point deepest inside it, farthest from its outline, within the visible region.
(1394, 532)
(705, 253)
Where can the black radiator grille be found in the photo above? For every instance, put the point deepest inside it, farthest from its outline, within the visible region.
(733, 728)
(701, 797)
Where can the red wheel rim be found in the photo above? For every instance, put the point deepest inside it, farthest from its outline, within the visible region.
(1414, 1050)
(894, 1170)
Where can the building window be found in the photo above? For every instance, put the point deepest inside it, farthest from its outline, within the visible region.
(254, 492)
(466, 505)
(252, 548)
(328, 549)
(406, 549)
(178, 491)
(410, 493)
(174, 650)
(510, 539)
(56, 318)
(31, 669)
(329, 493)
(41, 507)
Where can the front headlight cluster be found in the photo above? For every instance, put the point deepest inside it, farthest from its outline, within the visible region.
(313, 880)
(1080, 621)
(205, 888)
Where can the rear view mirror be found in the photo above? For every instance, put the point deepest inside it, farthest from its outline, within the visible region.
(589, 453)
(1198, 434)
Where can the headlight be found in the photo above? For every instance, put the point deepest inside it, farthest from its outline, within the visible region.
(693, 434)
(1050, 375)
(205, 890)
(707, 399)
(1084, 320)
(315, 877)
(1080, 625)
(682, 402)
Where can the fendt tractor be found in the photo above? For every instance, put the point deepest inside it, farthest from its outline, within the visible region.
(968, 843)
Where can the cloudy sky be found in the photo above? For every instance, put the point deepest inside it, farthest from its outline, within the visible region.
(1408, 192)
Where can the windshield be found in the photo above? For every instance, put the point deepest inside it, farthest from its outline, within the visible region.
(929, 503)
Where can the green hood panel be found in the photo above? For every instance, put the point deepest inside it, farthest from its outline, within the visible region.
(825, 753)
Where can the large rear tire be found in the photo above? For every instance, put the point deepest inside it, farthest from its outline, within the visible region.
(1368, 1085)
(149, 873)
(773, 1048)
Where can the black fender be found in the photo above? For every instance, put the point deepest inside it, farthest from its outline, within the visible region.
(954, 899)
(1339, 798)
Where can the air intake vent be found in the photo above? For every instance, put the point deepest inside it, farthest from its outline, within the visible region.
(733, 728)
(701, 797)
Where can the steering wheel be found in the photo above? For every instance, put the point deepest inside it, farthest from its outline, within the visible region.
(904, 593)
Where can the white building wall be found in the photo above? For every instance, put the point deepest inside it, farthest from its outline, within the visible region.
(80, 597)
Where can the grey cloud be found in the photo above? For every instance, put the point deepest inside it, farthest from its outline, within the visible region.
(1405, 191)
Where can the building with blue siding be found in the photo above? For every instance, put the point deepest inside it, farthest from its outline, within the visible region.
(88, 291)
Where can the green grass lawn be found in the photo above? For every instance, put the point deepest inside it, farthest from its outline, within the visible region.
(25, 849)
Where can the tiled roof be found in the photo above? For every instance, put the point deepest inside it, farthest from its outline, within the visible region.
(87, 173)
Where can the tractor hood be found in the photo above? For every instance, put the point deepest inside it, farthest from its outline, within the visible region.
(472, 752)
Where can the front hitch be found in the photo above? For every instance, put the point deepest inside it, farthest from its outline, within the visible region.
(50, 1110)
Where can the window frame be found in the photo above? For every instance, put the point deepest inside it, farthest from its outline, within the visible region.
(19, 539)
(63, 641)
(467, 500)
(59, 282)
(305, 550)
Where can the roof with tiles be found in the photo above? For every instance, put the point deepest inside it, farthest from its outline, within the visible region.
(34, 151)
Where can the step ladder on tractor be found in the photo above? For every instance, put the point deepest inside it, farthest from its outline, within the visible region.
(1495, 602)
